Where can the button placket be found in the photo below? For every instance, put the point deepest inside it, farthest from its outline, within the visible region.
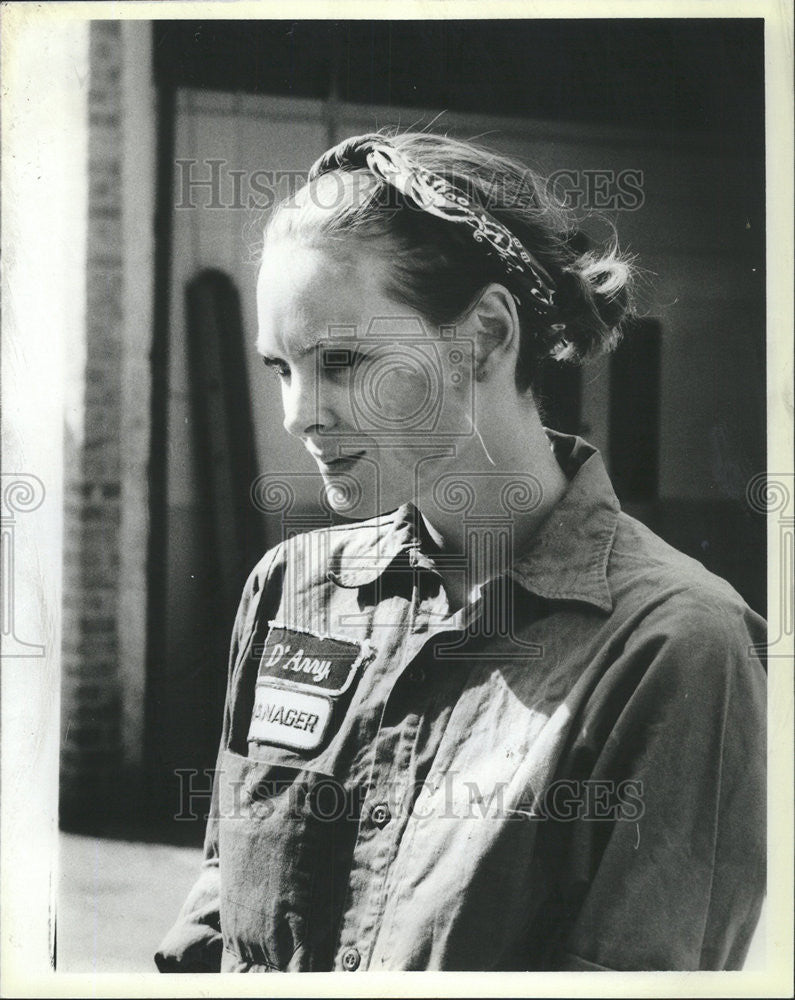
(374, 851)
(379, 836)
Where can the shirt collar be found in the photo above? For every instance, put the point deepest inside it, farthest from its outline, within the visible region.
(565, 559)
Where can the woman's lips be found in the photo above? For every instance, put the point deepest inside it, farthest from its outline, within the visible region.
(342, 464)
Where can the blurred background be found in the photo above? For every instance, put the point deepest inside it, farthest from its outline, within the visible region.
(190, 130)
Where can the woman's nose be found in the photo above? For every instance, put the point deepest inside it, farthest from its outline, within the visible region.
(307, 409)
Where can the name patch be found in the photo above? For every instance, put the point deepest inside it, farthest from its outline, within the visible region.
(301, 682)
(289, 718)
(308, 661)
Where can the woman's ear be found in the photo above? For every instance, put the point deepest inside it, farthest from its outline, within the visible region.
(493, 325)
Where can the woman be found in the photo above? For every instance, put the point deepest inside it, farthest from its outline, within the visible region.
(494, 722)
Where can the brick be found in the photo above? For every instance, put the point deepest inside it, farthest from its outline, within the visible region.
(102, 600)
(88, 695)
(105, 32)
(102, 464)
(97, 513)
(106, 282)
(104, 92)
(104, 148)
(96, 492)
(97, 716)
(104, 243)
(102, 394)
(95, 623)
(103, 340)
(87, 724)
(103, 114)
(99, 667)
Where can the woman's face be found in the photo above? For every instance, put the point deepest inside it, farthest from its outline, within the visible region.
(379, 398)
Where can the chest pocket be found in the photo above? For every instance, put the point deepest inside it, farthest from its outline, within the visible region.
(282, 832)
(304, 682)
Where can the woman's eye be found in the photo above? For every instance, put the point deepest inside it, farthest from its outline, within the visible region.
(278, 367)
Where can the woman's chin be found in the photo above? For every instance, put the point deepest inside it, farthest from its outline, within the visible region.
(351, 498)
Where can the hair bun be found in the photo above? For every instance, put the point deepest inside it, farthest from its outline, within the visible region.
(593, 298)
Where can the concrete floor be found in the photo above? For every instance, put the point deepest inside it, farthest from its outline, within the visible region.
(118, 898)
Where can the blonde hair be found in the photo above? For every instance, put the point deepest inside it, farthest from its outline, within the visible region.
(437, 268)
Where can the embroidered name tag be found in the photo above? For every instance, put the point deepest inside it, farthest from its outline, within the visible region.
(289, 718)
(301, 680)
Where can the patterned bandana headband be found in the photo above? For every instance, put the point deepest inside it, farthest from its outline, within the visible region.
(431, 193)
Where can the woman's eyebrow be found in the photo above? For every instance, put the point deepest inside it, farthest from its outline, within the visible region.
(301, 352)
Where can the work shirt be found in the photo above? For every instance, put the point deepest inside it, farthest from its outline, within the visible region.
(566, 773)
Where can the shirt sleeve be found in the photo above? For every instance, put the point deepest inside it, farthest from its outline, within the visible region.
(677, 881)
(195, 942)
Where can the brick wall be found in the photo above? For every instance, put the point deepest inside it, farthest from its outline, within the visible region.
(104, 492)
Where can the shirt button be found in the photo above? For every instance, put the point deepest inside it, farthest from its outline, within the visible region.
(380, 814)
(351, 959)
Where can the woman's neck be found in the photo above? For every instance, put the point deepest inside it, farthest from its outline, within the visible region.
(514, 485)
